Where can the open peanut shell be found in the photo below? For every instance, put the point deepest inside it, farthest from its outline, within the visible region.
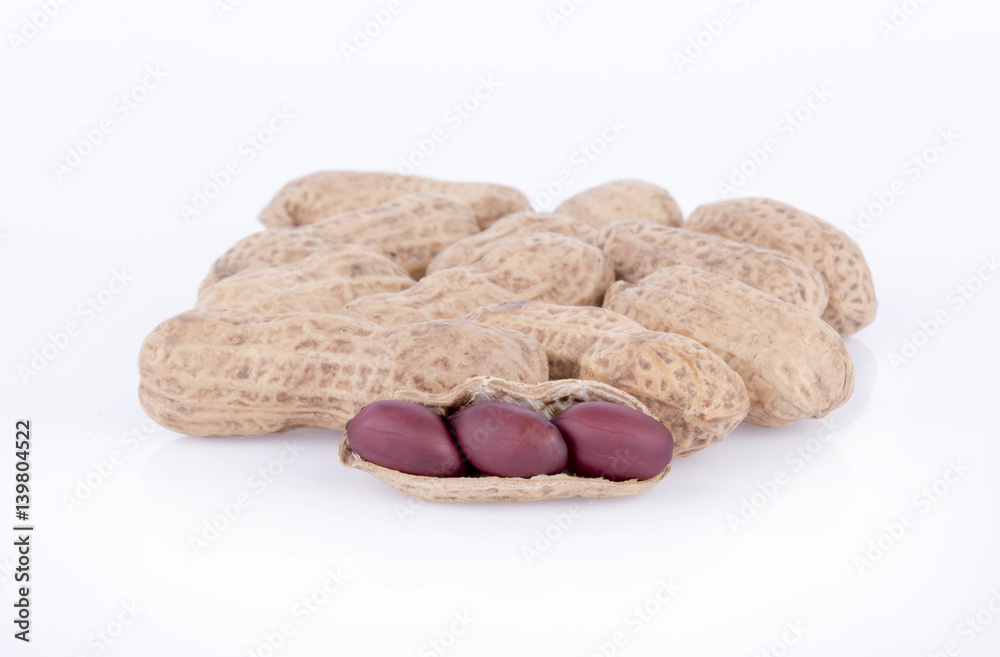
(549, 399)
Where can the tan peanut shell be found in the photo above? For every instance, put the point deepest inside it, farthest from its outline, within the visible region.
(321, 283)
(688, 388)
(317, 196)
(213, 372)
(623, 199)
(794, 364)
(637, 248)
(549, 399)
(542, 266)
(410, 231)
(468, 250)
(820, 245)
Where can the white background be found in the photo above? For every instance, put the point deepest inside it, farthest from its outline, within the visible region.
(795, 560)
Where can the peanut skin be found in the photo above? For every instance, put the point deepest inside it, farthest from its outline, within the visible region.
(689, 389)
(542, 266)
(614, 441)
(410, 231)
(637, 248)
(794, 364)
(470, 249)
(322, 283)
(320, 195)
(405, 437)
(773, 225)
(212, 372)
(623, 199)
(501, 439)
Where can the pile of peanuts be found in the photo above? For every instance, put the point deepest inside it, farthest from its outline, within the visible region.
(489, 352)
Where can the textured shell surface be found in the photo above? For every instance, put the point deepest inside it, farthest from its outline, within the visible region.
(319, 195)
(472, 248)
(794, 364)
(822, 246)
(410, 231)
(322, 282)
(623, 199)
(213, 372)
(537, 266)
(637, 248)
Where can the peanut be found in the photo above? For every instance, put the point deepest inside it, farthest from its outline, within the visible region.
(320, 195)
(548, 399)
(470, 249)
(322, 282)
(689, 389)
(542, 266)
(212, 372)
(637, 248)
(795, 366)
(820, 245)
(506, 440)
(623, 199)
(613, 441)
(410, 231)
(406, 437)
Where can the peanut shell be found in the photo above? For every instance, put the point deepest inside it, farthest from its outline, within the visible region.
(820, 245)
(322, 283)
(794, 364)
(543, 266)
(410, 231)
(317, 196)
(213, 372)
(623, 199)
(470, 249)
(637, 248)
